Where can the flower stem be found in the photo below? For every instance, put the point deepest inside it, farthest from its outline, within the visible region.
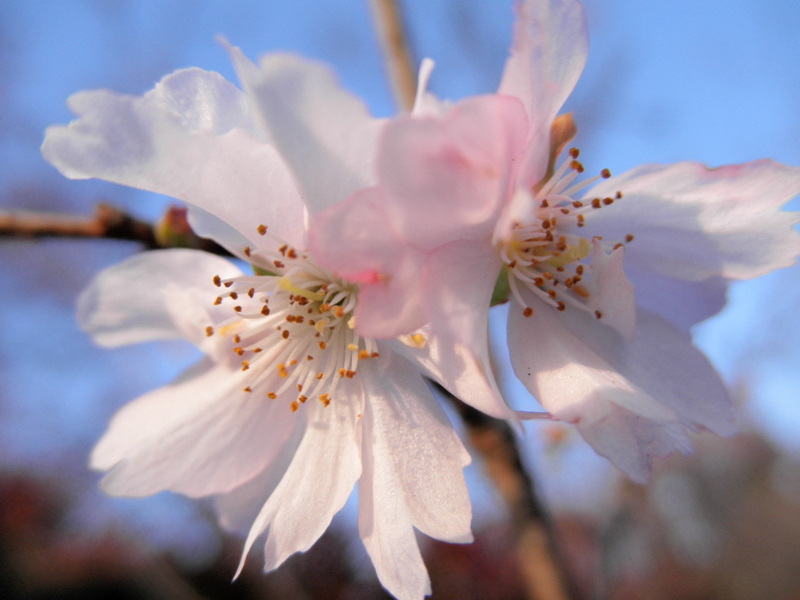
(399, 61)
(541, 565)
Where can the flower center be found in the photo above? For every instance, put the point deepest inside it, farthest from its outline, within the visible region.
(292, 328)
(543, 254)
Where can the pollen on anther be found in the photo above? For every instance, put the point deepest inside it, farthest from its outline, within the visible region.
(234, 296)
(618, 195)
(265, 310)
(350, 374)
(285, 334)
(294, 406)
(527, 312)
(598, 314)
(247, 251)
(209, 331)
(251, 292)
(237, 309)
(236, 339)
(309, 357)
(618, 246)
(629, 238)
(320, 375)
(596, 203)
(217, 280)
(322, 345)
(605, 173)
(299, 387)
(245, 365)
(262, 230)
(247, 389)
(574, 153)
(228, 284)
(218, 301)
(256, 350)
(576, 166)
(561, 306)
(545, 204)
(272, 395)
(291, 253)
(292, 362)
(282, 372)
(302, 399)
(278, 264)
(608, 201)
(239, 351)
(325, 399)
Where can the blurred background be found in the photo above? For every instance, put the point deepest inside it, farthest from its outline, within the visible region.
(712, 81)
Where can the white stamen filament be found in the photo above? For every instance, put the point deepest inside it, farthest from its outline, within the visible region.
(293, 327)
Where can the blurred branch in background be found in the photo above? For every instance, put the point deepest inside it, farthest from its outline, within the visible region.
(396, 49)
(541, 565)
(108, 222)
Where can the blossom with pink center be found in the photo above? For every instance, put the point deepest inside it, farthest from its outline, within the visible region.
(604, 284)
(291, 405)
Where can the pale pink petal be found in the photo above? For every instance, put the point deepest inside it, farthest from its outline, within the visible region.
(613, 295)
(163, 294)
(586, 374)
(191, 138)
(316, 485)
(548, 54)
(458, 280)
(690, 222)
(325, 133)
(357, 240)
(448, 178)
(423, 486)
(200, 435)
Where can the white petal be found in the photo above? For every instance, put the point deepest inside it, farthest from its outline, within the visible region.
(586, 374)
(548, 54)
(324, 133)
(413, 475)
(237, 510)
(200, 435)
(694, 223)
(682, 303)
(547, 57)
(317, 483)
(201, 152)
(163, 294)
(613, 295)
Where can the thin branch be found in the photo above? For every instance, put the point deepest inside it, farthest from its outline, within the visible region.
(108, 222)
(399, 61)
(545, 575)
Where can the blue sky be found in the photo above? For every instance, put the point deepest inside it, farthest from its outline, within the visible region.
(712, 81)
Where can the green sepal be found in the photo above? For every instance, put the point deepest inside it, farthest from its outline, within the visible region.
(502, 290)
(263, 272)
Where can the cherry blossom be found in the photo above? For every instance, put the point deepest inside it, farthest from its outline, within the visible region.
(291, 405)
(604, 284)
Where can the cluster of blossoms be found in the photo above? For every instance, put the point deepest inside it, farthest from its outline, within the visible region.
(377, 247)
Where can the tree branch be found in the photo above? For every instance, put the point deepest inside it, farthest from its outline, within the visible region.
(396, 51)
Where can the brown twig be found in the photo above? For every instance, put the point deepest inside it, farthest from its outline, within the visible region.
(544, 573)
(399, 61)
(108, 222)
